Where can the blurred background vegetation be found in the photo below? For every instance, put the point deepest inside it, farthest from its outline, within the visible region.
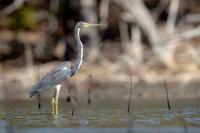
(147, 39)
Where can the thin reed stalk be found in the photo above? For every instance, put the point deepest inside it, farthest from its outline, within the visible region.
(130, 95)
(168, 104)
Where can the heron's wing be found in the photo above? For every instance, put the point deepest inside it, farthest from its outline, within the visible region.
(53, 78)
(57, 74)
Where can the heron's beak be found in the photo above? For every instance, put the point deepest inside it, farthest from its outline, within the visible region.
(86, 25)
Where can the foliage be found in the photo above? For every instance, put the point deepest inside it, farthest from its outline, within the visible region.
(23, 18)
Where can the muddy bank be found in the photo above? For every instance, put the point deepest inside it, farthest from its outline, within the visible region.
(112, 82)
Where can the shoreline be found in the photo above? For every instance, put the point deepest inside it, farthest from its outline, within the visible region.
(16, 83)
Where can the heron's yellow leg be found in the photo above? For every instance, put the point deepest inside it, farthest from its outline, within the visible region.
(56, 108)
(56, 98)
(53, 105)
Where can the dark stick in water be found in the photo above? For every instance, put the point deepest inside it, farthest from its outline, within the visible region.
(89, 96)
(39, 101)
(73, 108)
(38, 95)
(130, 94)
(90, 85)
(169, 107)
(72, 100)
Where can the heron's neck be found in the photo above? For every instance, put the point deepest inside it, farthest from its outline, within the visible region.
(79, 55)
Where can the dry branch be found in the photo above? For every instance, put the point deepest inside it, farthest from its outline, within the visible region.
(187, 35)
(173, 11)
(142, 16)
(89, 14)
(12, 7)
(104, 10)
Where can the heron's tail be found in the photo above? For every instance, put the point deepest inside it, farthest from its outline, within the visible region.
(34, 90)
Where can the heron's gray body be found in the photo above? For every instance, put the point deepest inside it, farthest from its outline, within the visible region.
(55, 77)
(65, 70)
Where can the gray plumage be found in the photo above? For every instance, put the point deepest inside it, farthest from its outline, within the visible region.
(66, 69)
(56, 76)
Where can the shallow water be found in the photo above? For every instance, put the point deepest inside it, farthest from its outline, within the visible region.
(108, 116)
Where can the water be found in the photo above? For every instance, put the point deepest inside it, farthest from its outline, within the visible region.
(108, 116)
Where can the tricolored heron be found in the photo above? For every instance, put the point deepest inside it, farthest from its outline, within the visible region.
(63, 72)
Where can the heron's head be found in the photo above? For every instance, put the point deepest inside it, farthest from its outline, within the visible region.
(85, 25)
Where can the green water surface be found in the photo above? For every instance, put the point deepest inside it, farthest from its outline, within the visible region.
(105, 115)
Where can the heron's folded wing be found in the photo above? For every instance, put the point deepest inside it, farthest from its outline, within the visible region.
(53, 78)
(56, 76)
